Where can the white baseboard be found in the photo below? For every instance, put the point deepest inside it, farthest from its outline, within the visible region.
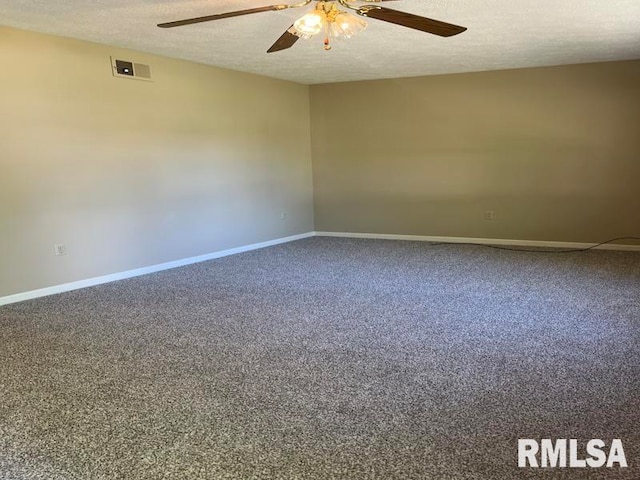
(66, 287)
(482, 241)
(90, 282)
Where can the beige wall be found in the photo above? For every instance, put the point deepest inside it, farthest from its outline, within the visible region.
(130, 173)
(555, 152)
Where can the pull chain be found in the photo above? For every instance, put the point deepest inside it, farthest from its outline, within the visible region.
(327, 45)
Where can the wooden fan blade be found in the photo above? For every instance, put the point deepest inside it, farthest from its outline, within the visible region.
(286, 40)
(219, 16)
(412, 21)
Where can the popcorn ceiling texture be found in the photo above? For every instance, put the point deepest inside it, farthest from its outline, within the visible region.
(501, 34)
(326, 359)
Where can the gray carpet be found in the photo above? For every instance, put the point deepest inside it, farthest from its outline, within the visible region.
(326, 359)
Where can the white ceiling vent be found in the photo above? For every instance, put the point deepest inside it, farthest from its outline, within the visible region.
(129, 69)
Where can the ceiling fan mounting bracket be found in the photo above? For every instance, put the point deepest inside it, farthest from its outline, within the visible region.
(348, 4)
(366, 9)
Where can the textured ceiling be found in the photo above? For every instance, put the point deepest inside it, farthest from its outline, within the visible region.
(501, 34)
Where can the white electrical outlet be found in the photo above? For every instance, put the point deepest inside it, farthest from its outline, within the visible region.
(489, 215)
(283, 215)
(60, 249)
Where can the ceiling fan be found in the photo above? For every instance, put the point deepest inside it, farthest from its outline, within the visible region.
(329, 19)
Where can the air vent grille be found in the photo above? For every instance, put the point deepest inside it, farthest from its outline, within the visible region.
(128, 69)
(141, 70)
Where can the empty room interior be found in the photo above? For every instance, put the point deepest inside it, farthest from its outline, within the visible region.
(401, 242)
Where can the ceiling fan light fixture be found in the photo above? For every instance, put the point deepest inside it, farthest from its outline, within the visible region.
(309, 24)
(346, 25)
(328, 18)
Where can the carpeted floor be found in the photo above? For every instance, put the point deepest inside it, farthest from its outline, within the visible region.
(326, 359)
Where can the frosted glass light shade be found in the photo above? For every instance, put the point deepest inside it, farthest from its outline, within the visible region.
(346, 25)
(334, 22)
(309, 24)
